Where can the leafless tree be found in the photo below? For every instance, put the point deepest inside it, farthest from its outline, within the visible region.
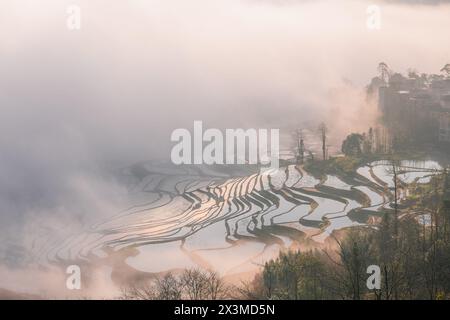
(323, 130)
(142, 291)
(215, 286)
(169, 287)
(299, 147)
(194, 282)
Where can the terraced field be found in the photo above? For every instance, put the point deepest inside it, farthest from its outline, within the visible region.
(228, 220)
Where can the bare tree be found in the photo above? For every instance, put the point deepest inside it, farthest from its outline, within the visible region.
(323, 130)
(299, 146)
(169, 287)
(194, 282)
(215, 286)
(143, 291)
(353, 259)
(161, 288)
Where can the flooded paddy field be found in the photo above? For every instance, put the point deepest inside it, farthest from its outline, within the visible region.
(228, 220)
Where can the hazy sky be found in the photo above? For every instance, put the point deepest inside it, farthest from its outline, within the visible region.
(76, 104)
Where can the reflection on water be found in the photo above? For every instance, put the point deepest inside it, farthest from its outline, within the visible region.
(204, 217)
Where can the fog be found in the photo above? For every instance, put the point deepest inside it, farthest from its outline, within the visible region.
(76, 106)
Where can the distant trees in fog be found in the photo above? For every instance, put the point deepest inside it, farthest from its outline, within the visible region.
(356, 144)
(352, 145)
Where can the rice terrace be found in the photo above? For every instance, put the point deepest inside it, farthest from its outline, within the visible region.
(235, 156)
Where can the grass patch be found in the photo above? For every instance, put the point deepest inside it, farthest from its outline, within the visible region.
(341, 166)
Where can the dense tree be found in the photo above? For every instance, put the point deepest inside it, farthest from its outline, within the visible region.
(352, 145)
(293, 275)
